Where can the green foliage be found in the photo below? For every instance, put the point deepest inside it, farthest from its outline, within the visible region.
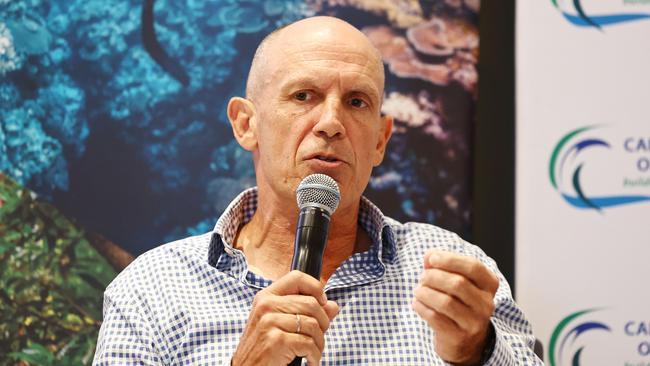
(51, 284)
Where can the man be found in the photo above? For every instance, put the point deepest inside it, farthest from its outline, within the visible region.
(389, 293)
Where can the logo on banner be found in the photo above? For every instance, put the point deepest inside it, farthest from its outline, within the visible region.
(575, 153)
(565, 334)
(575, 13)
(584, 335)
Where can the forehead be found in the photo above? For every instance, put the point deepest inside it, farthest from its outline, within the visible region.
(318, 62)
(327, 49)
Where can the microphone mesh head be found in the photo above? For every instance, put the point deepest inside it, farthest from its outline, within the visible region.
(318, 190)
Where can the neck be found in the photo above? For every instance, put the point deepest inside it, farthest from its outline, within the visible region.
(267, 239)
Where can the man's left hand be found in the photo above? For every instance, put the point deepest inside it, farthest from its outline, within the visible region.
(456, 298)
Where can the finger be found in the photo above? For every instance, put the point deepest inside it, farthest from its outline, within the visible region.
(289, 324)
(463, 265)
(449, 306)
(296, 282)
(426, 258)
(459, 287)
(303, 346)
(438, 322)
(295, 304)
(331, 309)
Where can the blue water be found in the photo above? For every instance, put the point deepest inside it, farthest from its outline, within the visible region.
(140, 150)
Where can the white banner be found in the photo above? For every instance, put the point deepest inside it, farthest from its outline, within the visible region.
(583, 178)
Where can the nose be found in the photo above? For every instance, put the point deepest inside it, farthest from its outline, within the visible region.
(330, 124)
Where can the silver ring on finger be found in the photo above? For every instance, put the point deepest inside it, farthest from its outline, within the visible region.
(298, 323)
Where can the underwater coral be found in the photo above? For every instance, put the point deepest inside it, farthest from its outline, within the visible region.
(114, 110)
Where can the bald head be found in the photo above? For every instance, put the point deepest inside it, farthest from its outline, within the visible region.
(316, 32)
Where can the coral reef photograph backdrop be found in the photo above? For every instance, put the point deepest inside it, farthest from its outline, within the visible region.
(114, 138)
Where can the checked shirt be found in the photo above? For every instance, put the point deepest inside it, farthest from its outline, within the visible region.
(187, 302)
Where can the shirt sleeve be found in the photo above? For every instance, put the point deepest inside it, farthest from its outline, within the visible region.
(514, 335)
(514, 341)
(125, 337)
(512, 346)
(141, 326)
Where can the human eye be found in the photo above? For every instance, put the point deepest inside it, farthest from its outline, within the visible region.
(358, 103)
(302, 96)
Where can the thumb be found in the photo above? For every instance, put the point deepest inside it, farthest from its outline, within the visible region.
(331, 309)
(427, 255)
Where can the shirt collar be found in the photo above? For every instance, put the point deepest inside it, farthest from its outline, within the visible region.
(241, 210)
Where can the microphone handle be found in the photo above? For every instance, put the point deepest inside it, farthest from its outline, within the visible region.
(310, 242)
(309, 246)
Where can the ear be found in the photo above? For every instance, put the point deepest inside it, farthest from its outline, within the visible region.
(241, 113)
(385, 132)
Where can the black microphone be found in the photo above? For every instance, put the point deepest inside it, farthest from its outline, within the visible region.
(318, 197)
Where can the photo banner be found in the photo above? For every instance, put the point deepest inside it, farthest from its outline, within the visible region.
(583, 178)
(114, 138)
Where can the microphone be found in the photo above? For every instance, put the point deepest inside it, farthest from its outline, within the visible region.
(318, 197)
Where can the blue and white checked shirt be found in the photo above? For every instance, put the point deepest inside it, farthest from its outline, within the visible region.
(187, 302)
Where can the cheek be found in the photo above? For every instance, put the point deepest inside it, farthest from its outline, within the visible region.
(276, 148)
(273, 129)
(366, 146)
(280, 143)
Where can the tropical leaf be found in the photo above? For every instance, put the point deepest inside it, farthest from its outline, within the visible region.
(36, 354)
(5, 246)
(52, 284)
(90, 279)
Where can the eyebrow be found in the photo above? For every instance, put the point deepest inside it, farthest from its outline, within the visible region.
(300, 82)
(309, 81)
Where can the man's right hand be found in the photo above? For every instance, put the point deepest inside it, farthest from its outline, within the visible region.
(271, 337)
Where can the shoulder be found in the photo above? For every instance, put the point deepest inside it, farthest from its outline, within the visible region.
(417, 235)
(414, 239)
(160, 267)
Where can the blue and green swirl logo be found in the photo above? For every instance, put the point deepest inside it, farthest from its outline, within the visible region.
(567, 332)
(568, 156)
(579, 17)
